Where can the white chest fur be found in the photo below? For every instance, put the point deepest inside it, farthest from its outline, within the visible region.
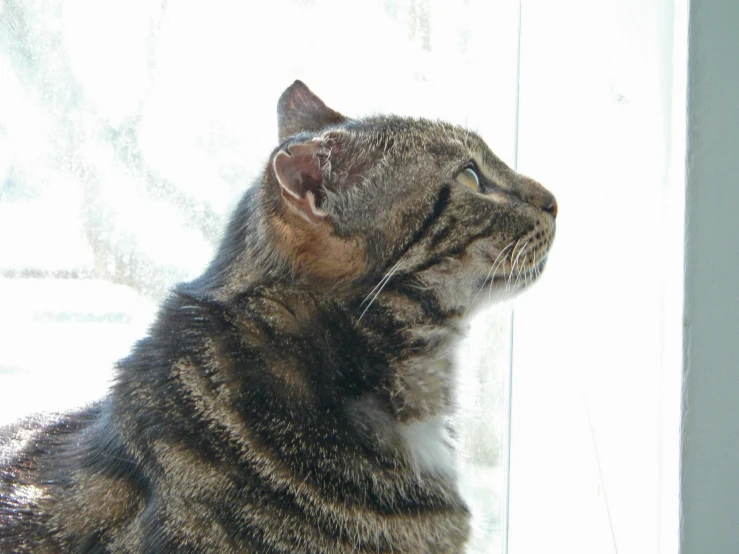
(429, 445)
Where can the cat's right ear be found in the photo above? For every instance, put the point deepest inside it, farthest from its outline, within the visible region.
(298, 171)
(300, 110)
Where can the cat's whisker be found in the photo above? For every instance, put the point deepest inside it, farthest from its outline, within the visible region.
(522, 270)
(513, 266)
(534, 275)
(525, 268)
(522, 266)
(383, 283)
(537, 267)
(491, 272)
(512, 263)
(507, 259)
(540, 265)
(500, 263)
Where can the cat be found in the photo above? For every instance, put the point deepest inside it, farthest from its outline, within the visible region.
(293, 398)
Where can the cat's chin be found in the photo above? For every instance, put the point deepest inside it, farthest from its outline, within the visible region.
(501, 288)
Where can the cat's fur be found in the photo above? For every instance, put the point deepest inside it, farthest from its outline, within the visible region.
(292, 399)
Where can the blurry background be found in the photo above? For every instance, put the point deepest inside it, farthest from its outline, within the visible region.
(129, 130)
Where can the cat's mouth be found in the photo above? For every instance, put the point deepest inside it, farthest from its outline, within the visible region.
(515, 277)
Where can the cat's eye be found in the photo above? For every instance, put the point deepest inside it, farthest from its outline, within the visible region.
(469, 178)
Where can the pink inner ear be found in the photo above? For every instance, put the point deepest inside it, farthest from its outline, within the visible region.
(299, 174)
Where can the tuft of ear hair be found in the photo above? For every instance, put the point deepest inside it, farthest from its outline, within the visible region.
(299, 109)
(298, 171)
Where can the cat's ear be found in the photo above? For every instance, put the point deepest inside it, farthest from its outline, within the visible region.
(298, 171)
(300, 110)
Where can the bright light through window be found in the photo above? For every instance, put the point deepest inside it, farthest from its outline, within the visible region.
(128, 130)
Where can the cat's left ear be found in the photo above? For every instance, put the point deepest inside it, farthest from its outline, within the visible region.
(300, 110)
(298, 171)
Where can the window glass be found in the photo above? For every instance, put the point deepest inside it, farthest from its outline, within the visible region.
(597, 345)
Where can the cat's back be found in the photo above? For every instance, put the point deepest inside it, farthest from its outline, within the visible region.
(50, 479)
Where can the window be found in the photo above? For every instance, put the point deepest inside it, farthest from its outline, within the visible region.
(598, 344)
(128, 131)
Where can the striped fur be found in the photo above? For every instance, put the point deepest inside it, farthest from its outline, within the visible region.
(293, 398)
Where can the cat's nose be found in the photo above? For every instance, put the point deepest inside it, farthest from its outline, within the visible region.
(549, 204)
(535, 194)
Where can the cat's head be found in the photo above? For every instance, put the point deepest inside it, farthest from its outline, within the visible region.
(355, 203)
(353, 207)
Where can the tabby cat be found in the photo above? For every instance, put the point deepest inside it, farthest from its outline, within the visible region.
(294, 397)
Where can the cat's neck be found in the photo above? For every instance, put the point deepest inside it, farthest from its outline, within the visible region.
(402, 334)
(400, 342)
(404, 405)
